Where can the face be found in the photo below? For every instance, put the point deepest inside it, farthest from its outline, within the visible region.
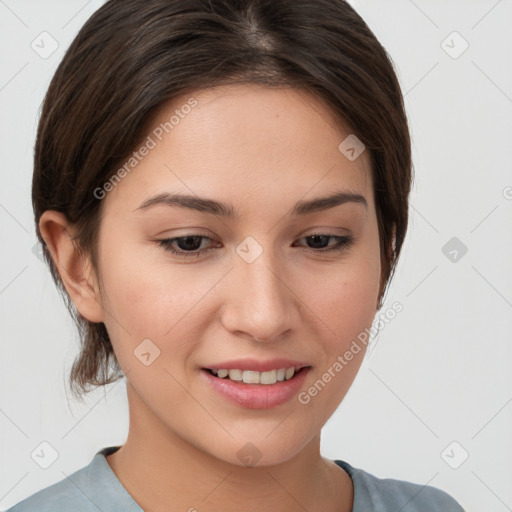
(252, 290)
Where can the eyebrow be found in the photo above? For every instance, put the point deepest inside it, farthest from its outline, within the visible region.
(218, 208)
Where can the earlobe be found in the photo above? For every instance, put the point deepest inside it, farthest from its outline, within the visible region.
(74, 268)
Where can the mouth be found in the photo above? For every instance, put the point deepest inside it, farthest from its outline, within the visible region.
(254, 377)
(256, 384)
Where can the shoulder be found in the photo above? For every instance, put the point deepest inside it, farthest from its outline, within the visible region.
(90, 489)
(387, 494)
(71, 493)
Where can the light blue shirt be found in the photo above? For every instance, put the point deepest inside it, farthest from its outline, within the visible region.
(95, 488)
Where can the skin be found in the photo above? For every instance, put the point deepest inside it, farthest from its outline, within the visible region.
(261, 150)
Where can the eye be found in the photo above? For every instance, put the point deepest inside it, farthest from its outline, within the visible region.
(320, 239)
(189, 245)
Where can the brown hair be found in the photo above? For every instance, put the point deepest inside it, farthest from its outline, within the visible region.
(131, 56)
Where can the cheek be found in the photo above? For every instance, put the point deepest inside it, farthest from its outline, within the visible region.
(344, 301)
(146, 298)
(345, 298)
(141, 299)
(345, 308)
(137, 285)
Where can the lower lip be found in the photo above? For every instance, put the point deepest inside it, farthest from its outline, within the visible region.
(257, 396)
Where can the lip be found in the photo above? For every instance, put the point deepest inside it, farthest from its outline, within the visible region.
(257, 366)
(257, 396)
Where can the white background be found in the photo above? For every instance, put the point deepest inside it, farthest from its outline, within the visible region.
(439, 372)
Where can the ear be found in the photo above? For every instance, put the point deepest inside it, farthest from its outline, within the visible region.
(74, 268)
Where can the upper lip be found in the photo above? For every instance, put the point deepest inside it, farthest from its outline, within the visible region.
(257, 366)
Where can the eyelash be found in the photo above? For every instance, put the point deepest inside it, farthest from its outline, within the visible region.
(344, 242)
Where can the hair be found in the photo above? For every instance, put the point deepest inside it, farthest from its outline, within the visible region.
(132, 56)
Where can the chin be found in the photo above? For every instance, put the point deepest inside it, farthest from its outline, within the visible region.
(259, 453)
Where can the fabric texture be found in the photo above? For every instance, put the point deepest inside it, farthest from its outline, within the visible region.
(96, 487)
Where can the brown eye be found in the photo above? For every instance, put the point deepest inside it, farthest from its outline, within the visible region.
(319, 242)
(188, 245)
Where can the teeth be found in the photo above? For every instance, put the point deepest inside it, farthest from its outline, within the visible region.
(235, 374)
(252, 377)
(268, 377)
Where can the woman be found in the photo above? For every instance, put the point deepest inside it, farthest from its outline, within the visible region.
(221, 190)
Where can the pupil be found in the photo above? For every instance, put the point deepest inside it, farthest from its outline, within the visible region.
(183, 243)
(315, 238)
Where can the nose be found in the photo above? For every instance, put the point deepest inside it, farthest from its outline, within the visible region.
(259, 302)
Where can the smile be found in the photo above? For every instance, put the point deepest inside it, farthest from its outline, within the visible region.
(256, 390)
(254, 377)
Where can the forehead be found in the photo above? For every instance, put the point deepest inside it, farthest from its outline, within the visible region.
(245, 140)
